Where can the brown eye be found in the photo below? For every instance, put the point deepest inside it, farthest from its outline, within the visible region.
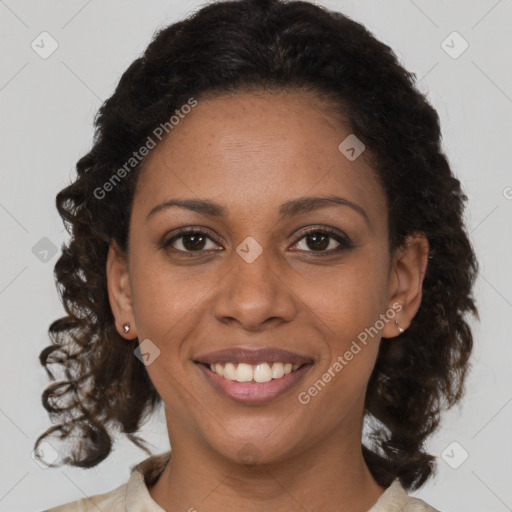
(193, 241)
(189, 241)
(323, 241)
(317, 241)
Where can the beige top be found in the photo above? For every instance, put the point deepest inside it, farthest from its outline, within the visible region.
(134, 496)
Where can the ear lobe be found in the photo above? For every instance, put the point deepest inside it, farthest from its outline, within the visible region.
(119, 291)
(406, 283)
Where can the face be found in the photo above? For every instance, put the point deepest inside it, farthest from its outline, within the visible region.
(265, 269)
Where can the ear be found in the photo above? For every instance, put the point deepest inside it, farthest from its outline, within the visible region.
(406, 282)
(119, 292)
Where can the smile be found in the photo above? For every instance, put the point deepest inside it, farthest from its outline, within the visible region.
(253, 384)
(262, 372)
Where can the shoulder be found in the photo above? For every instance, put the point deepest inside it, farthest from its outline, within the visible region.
(113, 501)
(396, 499)
(133, 494)
(417, 505)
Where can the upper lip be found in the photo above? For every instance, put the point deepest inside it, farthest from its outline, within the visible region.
(253, 356)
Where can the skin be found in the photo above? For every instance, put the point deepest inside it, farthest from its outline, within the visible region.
(251, 152)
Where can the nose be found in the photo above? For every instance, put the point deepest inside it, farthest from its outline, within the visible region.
(255, 293)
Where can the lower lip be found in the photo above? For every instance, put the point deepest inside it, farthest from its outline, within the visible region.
(255, 393)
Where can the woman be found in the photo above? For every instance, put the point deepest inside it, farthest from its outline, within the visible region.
(267, 238)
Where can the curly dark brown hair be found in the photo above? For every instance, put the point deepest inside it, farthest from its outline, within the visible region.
(235, 46)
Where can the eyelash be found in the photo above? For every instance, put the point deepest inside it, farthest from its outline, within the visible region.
(344, 241)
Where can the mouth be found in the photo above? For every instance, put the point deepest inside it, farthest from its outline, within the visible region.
(253, 376)
(261, 372)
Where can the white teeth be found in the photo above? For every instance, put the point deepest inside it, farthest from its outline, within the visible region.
(244, 373)
(277, 370)
(219, 369)
(230, 371)
(261, 372)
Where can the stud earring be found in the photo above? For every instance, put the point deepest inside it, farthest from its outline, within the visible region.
(400, 330)
(126, 328)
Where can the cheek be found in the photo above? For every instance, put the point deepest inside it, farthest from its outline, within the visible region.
(167, 305)
(346, 304)
(347, 311)
(347, 299)
(166, 299)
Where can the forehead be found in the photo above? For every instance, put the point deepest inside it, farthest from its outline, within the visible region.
(251, 151)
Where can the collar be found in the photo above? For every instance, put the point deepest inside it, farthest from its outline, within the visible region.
(394, 499)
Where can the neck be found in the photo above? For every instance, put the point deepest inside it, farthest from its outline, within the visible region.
(329, 476)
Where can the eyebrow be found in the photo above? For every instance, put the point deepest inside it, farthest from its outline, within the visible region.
(286, 210)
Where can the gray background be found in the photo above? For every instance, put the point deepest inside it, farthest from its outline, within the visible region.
(47, 108)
